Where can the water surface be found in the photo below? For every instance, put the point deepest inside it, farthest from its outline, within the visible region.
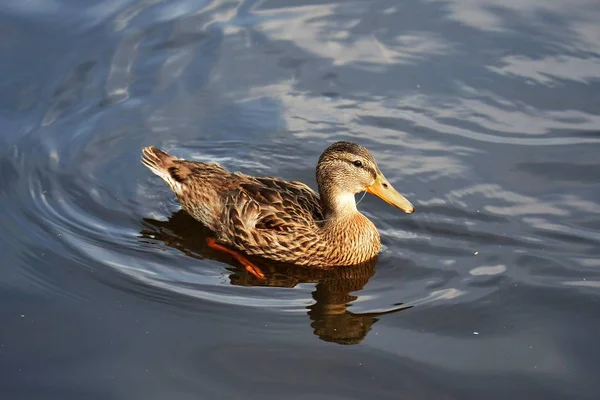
(485, 114)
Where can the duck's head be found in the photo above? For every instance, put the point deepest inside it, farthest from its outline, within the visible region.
(346, 168)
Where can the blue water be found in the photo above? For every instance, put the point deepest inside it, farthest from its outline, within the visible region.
(485, 114)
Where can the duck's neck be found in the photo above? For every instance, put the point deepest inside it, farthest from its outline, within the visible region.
(337, 204)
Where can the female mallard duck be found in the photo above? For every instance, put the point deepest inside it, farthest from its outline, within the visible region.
(281, 220)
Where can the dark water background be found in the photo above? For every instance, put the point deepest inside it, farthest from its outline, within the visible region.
(485, 114)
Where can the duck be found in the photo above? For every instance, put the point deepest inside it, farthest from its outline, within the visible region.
(280, 220)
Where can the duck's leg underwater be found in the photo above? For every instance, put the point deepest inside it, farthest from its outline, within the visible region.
(250, 267)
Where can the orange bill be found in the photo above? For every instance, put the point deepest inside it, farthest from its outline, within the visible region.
(382, 189)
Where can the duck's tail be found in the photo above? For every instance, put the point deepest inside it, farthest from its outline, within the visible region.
(164, 165)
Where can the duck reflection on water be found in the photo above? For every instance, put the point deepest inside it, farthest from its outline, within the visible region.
(334, 291)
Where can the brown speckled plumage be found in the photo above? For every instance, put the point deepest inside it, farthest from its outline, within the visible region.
(281, 220)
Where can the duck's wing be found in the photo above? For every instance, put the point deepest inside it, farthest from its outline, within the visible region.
(264, 214)
(284, 205)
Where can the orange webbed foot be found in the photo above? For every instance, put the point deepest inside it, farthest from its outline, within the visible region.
(250, 267)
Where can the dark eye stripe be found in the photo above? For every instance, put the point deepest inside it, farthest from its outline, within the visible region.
(372, 172)
(365, 167)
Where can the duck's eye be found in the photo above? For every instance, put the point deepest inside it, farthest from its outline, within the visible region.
(357, 163)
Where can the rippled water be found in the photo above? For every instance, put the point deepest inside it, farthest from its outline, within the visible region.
(485, 114)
